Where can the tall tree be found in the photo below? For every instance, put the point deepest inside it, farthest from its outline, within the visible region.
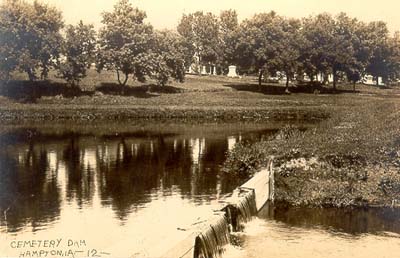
(30, 37)
(355, 71)
(79, 52)
(174, 52)
(344, 55)
(289, 49)
(331, 43)
(378, 38)
(393, 73)
(126, 43)
(201, 31)
(258, 42)
(228, 24)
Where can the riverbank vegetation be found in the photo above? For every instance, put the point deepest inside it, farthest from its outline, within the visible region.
(351, 159)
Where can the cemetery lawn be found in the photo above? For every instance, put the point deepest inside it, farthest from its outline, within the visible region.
(199, 98)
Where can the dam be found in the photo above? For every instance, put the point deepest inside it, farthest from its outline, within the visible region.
(207, 237)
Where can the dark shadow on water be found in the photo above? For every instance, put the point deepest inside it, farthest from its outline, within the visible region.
(279, 89)
(354, 221)
(143, 91)
(27, 91)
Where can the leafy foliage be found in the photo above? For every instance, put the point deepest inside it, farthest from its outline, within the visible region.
(267, 43)
(259, 40)
(201, 32)
(30, 38)
(289, 49)
(229, 24)
(173, 52)
(79, 52)
(126, 43)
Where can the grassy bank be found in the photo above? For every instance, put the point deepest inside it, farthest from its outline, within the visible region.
(206, 98)
(351, 159)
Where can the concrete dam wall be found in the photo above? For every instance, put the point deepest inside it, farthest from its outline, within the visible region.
(207, 237)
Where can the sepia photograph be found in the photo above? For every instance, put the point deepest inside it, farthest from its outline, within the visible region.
(200, 129)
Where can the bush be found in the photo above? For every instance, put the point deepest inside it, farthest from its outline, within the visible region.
(247, 158)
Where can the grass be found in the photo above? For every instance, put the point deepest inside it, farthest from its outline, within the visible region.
(200, 97)
(351, 159)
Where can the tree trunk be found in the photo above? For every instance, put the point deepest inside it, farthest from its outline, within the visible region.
(31, 75)
(354, 86)
(44, 74)
(118, 78)
(126, 79)
(334, 79)
(260, 76)
(287, 83)
(122, 83)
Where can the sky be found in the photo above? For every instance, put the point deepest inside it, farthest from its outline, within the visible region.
(165, 14)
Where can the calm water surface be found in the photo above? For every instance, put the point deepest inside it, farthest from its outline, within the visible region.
(321, 233)
(121, 191)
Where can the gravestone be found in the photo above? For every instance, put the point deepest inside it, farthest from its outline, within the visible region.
(213, 70)
(203, 70)
(232, 71)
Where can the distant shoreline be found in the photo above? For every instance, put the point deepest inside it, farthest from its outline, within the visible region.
(126, 113)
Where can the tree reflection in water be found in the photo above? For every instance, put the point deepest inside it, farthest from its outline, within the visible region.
(41, 174)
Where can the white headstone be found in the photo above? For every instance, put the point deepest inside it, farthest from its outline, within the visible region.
(380, 81)
(371, 80)
(319, 77)
(232, 71)
(203, 70)
(283, 79)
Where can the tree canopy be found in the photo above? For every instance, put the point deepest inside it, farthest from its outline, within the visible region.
(78, 50)
(175, 53)
(33, 40)
(30, 37)
(125, 43)
(201, 32)
(259, 40)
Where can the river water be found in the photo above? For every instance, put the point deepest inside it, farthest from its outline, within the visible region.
(112, 191)
(120, 190)
(283, 232)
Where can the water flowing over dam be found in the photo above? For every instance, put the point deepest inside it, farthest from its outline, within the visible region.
(209, 237)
